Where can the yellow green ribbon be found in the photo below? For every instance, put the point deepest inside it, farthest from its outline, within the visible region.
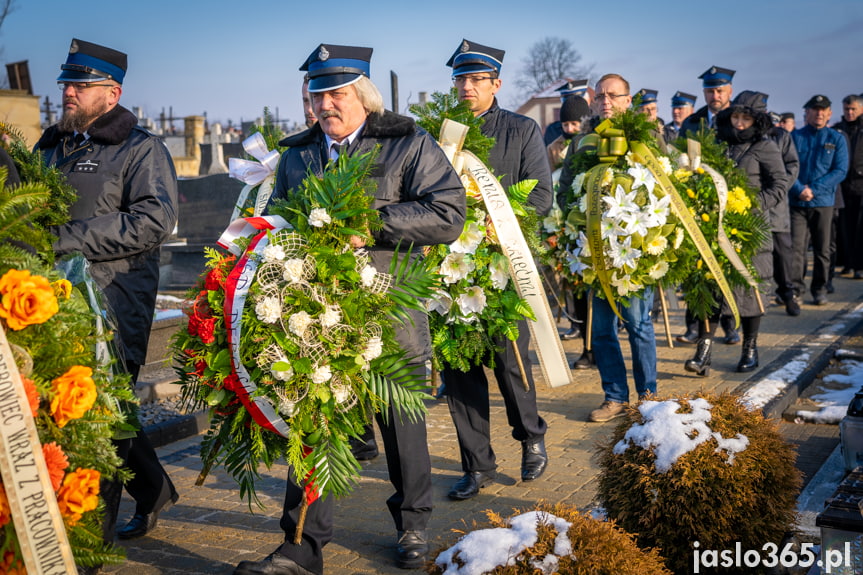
(643, 155)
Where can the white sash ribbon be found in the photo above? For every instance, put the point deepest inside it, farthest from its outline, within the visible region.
(522, 267)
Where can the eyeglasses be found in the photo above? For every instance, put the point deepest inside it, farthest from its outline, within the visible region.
(609, 96)
(80, 86)
(462, 80)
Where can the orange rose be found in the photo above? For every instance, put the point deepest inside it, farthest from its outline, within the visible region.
(5, 512)
(79, 494)
(26, 299)
(74, 394)
(12, 565)
(57, 463)
(32, 394)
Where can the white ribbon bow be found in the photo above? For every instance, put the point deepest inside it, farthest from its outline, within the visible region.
(251, 172)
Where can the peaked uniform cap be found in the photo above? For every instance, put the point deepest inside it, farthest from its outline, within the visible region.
(755, 101)
(470, 58)
(681, 99)
(716, 76)
(818, 101)
(331, 66)
(88, 62)
(647, 96)
(573, 88)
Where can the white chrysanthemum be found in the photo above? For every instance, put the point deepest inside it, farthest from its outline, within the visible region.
(666, 165)
(642, 177)
(472, 301)
(341, 393)
(499, 273)
(322, 374)
(623, 254)
(268, 309)
(456, 267)
(367, 276)
(658, 270)
(678, 237)
(683, 160)
(285, 375)
(657, 245)
(469, 240)
(319, 218)
(287, 408)
(582, 204)
(440, 302)
(578, 182)
(273, 253)
(293, 270)
(331, 316)
(630, 161)
(299, 323)
(374, 348)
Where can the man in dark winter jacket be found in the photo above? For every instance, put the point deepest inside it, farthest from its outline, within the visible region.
(716, 84)
(823, 156)
(682, 105)
(126, 209)
(421, 201)
(852, 185)
(518, 154)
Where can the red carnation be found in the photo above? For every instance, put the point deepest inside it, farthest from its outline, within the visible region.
(200, 366)
(206, 330)
(215, 280)
(232, 383)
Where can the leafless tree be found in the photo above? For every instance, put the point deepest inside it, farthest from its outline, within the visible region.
(6, 8)
(549, 60)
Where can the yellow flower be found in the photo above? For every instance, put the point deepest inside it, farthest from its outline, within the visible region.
(62, 288)
(74, 394)
(699, 264)
(733, 231)
(705, 217)
(699, 170)
(690, 193)
(738, 202)
(682, 175)
(26, 299)
(79, 494)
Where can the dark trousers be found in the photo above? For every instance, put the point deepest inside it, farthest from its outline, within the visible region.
(409, 466)
(468, 398)
(818, 222)
(852, 217)
(782, 258)
(151, 487)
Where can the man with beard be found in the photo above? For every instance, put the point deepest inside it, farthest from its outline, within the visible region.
(126, 208)
(421, 202)
(517, 154)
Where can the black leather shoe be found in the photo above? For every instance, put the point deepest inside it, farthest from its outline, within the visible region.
(820, 299)
(534, 459)
(585, 361)
(470, 484)
(142, 523)
(573, 333)
(413, 549)
(273, 564)
(732, 337)
(792, 305)
(363, 450)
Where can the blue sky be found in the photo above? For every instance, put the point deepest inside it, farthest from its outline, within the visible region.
(231, 59)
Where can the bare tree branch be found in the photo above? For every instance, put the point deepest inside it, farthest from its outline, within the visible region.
(6, 8)
(550, 60)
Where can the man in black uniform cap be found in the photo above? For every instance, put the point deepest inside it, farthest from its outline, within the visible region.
(682, 105)
(421, 202)
(518, 154)
(126, 208)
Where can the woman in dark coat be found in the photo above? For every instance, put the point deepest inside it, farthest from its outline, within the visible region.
(745, 127)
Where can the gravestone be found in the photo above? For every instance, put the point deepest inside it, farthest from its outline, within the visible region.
(205, 206)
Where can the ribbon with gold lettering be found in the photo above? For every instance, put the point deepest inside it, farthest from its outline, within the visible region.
(522, 267)
(644, 156)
